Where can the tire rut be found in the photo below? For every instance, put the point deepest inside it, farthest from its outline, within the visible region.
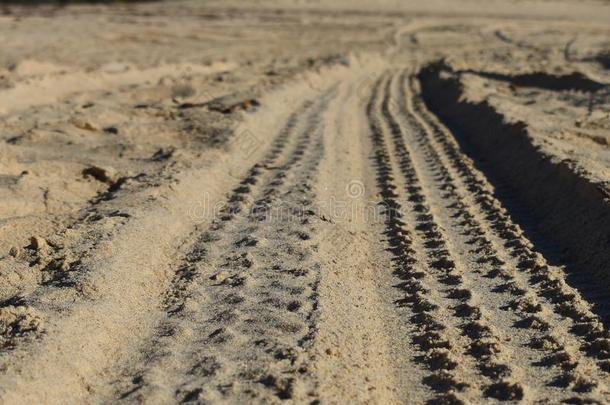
(240, 315)
(440, 343)
(485, 343)
(538, 303)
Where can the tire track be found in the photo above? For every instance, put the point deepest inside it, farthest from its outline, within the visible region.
(541, 303)
(450, 351)
(468, 313)
(238, 320)
(547, 281)
(436, 341)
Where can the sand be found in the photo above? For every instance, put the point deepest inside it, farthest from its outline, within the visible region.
(305, 202)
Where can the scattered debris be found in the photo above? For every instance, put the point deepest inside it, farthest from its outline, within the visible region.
(246, 105)
(83, 124)
(104, 174)
(220, 277)
(163, 153)
(38, 243)
(17, 322)
(111, 130)
(184, 106)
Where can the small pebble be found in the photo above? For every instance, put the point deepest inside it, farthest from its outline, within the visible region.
(14, 251)
(220, 277)
(38, 243)
(111, 130)
(103, 174)
(82, 124)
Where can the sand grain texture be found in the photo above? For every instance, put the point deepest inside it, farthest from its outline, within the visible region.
(305, 202)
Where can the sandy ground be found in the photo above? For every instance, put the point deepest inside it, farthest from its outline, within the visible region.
(305, 202)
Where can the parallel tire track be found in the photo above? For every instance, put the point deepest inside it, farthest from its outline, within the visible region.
(539, 303)
(497, 321)
(488, 318)
(482, 344)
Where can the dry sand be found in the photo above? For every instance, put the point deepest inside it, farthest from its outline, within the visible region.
(305, 202)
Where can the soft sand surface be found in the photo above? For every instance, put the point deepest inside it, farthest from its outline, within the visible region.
(305, 202)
